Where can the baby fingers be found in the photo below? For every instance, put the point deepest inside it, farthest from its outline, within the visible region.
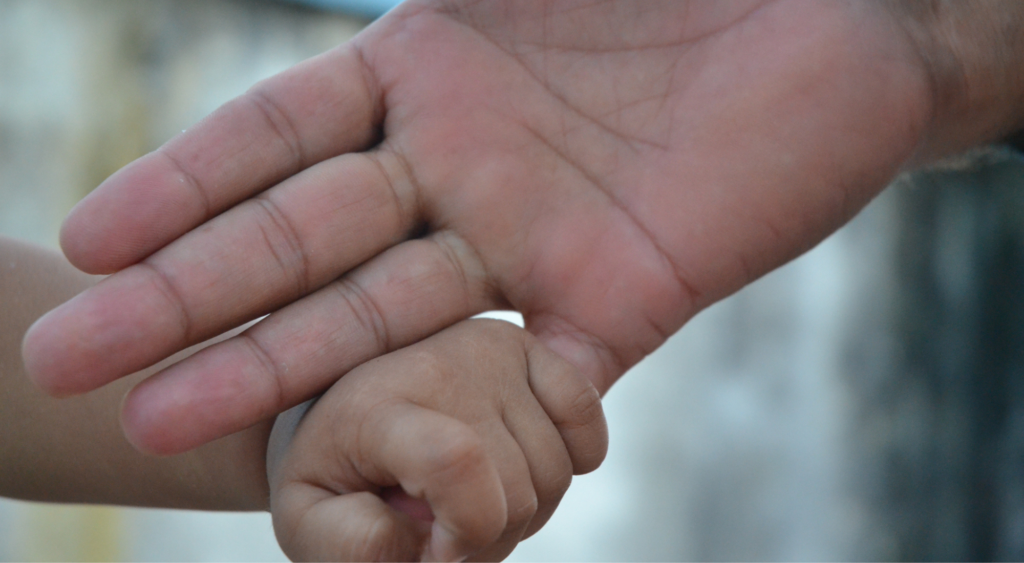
(573, 405)
(479, 427)
(321, 515)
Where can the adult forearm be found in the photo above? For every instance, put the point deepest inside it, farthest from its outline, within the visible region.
(72, 450)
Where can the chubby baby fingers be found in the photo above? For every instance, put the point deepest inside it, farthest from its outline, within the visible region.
(445, 462)
(572, 403)
(328, 510)
(315, 524)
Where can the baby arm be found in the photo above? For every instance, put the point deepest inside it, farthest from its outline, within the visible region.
(73, 450)
(460, 445)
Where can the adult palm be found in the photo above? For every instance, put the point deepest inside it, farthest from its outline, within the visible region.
(606, 168)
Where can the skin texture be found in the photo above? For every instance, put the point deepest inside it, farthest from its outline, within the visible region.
(606, 168)
(73, 450)
(458, 446)
(480, 421)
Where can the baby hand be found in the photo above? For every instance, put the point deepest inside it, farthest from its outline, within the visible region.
(458, 446)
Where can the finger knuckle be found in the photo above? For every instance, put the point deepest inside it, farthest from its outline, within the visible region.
(460, 455)
(553, 482)
(584, 409)
(559, 483)
(365, 311)
(522, 509)
(587, 417)
(430, 365)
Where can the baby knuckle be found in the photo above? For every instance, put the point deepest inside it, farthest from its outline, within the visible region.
(431, 365)
(560, 483)
(461, 454)
(585, 408)
(523, 509)
(589, 444)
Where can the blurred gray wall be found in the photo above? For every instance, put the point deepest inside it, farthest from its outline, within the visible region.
(864, 402)
(946, 426)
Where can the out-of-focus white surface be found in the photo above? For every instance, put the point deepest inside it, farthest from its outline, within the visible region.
(507, 316)
(166, 535)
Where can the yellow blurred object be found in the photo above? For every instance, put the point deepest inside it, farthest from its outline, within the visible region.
(71, 533)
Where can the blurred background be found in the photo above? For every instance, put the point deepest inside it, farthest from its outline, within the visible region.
(864, 402)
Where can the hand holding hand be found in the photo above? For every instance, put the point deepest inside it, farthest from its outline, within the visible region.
(608, 169)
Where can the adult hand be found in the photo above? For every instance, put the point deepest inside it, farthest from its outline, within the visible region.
(606, 168)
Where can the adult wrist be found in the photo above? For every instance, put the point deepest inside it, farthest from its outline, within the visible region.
(973, 55)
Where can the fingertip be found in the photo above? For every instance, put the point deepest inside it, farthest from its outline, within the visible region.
(573, 404)
(74, 242)
(86, 238)
(209, 395)
(34, 361)
(590, 451)
(140, 208)
(141, 425)
(165, 415)
(49, 359)
(586, 431)
(108, 331)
